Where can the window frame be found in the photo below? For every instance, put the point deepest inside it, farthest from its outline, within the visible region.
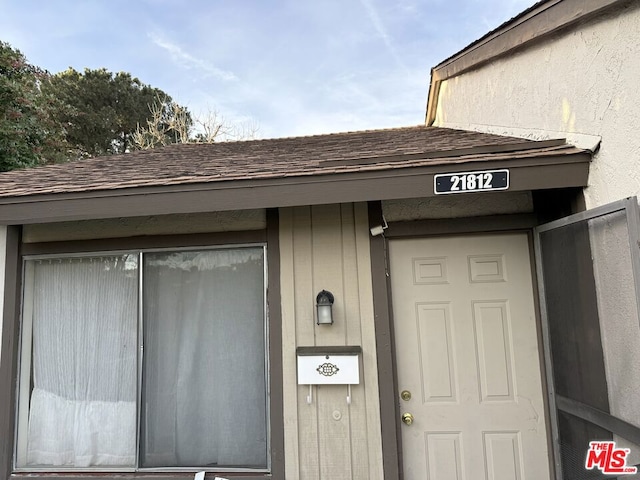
(16, 253)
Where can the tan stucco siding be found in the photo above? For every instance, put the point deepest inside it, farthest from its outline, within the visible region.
(580, 85)
(327, 247)
(619, 325)
(452, 206)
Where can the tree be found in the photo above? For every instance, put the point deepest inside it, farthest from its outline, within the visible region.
(162, 129)
(213, 127)
(29, 135)
(103, 109)
(48, 118)
(180, 127)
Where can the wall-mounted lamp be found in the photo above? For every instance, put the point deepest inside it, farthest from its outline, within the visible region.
(324, 302)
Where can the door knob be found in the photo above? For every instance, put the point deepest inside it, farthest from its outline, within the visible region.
(407, 418)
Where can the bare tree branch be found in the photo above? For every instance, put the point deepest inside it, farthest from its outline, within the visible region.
(177, 126)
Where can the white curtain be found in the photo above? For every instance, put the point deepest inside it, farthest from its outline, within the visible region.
(204, 391)
(83, 410)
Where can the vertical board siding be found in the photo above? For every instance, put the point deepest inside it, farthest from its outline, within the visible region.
(333, 435)
(303, 255)
(327, 247)
(357, 416)
(289, 394)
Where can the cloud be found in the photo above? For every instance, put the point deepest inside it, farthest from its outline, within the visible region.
(382, 31)
(189, 61)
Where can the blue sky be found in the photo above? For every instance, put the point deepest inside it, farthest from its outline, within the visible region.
(292, 67)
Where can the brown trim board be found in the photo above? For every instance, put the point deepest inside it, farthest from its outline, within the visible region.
(146, 242)
(534, 24)
(568, 170)
(385, 350)
(274, 307)
(9, 359)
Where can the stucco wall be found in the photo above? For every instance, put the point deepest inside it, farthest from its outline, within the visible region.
(580, 85)
(452, 206)
(327, 247)
(618, 314)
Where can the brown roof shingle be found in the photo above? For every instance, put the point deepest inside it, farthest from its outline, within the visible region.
(275, 158)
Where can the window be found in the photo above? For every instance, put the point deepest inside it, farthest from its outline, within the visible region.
(141, 360)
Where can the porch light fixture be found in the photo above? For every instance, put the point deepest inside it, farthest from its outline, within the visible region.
(324, 302)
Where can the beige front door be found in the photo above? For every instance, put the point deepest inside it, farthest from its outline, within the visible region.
(467, 354)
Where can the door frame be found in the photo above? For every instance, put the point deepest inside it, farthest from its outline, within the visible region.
(383, 314)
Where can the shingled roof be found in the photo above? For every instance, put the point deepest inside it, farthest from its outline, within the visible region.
(332, 154)
(348, 167)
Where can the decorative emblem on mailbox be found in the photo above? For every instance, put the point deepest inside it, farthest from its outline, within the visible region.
(327, 369)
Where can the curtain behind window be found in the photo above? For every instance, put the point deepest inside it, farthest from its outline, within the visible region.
(204, 359)
(83, 410)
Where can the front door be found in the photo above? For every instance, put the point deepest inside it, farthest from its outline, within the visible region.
(468, 359)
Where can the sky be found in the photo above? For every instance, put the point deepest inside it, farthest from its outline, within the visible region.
(289, 67)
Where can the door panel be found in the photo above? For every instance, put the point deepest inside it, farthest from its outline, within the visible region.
(467, 351)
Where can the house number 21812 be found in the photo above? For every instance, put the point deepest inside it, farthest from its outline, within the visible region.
(471, 182)
(478, 181)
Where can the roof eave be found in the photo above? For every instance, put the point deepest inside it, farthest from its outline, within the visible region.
(544, 172)
(532, 25)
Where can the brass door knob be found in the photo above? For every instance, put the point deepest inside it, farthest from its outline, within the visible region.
(407, 418)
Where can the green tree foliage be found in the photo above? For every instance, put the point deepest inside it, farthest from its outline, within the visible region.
(104, 109)
(29, 135)
(48, 118)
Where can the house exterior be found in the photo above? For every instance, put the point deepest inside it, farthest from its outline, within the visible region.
(559, 70)
(566, 70)
(160, 311)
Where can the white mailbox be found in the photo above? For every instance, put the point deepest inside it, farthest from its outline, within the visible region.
(339, 365)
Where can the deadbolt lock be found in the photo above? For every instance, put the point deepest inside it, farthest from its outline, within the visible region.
(405, 395)
(407, 418)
